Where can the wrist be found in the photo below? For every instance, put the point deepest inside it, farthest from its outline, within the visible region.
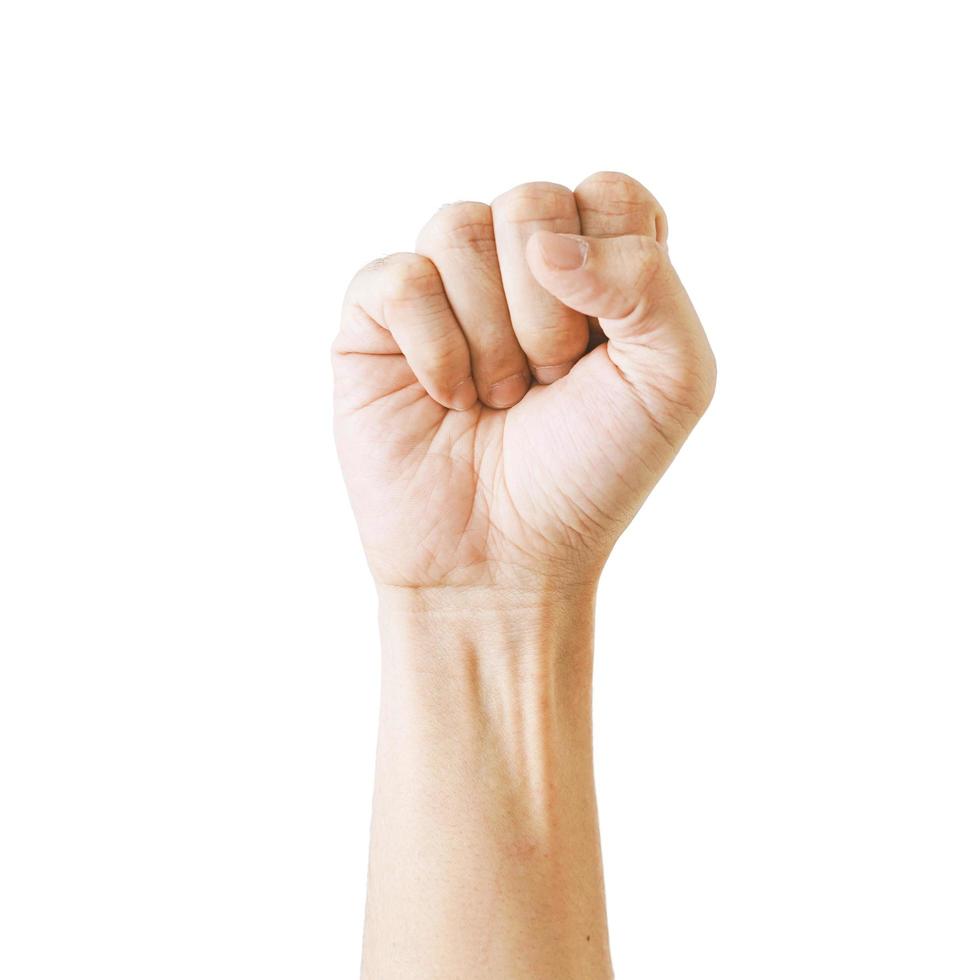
(499, 678)
(513, 631)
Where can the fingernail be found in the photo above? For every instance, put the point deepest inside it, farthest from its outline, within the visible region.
(508, 391)
(547, 373)
(463, 396)
(563, 252)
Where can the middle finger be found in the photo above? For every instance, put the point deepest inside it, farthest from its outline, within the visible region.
(552, 335)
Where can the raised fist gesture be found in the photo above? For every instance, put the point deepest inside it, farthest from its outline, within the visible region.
(508, 394)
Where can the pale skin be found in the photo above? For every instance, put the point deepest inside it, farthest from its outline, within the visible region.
(507, 395)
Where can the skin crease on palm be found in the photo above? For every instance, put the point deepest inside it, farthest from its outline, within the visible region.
(501, 414)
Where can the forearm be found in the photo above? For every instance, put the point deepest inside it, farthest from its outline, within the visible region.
(484, 848)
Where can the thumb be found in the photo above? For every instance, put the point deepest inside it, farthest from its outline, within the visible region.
(629, 284)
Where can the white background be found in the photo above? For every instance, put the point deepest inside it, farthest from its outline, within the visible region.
(787, 682)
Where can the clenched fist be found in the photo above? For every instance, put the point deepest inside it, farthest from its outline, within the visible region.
(508, 394)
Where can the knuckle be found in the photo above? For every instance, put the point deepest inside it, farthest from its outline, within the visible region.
(363, 275)
(613, 194)
(466, 225)
(536, 201)
(409, 276)
(614, 181)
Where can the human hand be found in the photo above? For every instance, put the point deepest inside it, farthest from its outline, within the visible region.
(462, 470)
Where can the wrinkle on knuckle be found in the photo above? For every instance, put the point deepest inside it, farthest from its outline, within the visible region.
(536, 201)
(466, 226)
(362, 277)
(375, 265)
(426, 314)
(409, 276)
(614, 194)
(431, 308)
(618, 195)
(615, 182)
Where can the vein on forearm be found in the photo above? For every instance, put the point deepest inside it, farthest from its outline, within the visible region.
(507, 695)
